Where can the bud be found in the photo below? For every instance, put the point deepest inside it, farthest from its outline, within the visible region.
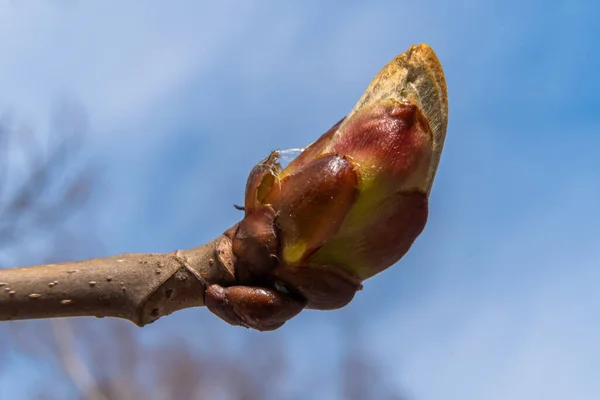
(353, 202)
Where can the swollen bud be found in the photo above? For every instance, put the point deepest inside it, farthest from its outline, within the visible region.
(353, 202)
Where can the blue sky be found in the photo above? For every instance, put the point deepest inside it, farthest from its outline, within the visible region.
(497, 299)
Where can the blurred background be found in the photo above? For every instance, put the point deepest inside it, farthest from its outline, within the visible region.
(131, 127)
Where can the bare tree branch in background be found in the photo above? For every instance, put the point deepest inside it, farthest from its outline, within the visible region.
(71, 361)
(46, 188)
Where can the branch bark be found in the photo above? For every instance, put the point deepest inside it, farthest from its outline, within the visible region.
(137, 287)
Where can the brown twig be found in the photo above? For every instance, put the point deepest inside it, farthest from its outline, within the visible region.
(137, 287)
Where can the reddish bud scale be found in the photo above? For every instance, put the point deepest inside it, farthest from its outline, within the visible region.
(391, 144)
(311, 205)
(389, 140)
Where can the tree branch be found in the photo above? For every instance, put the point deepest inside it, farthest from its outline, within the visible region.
(137, 287)
(144, 287)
